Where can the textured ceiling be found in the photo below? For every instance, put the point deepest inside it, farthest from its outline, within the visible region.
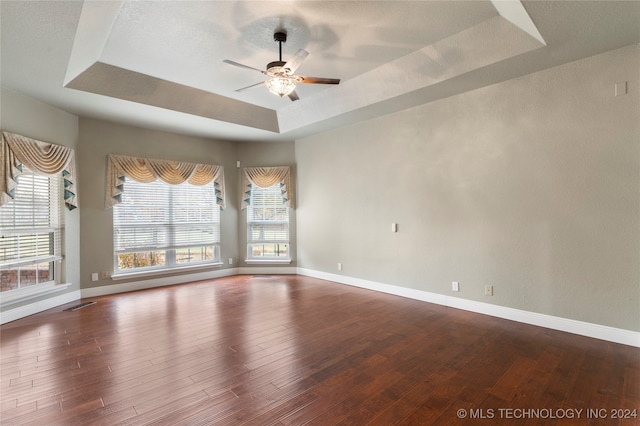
(159, 63)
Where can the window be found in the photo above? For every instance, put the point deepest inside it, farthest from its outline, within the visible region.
(267, 224)
(31, 232)
(163, 226)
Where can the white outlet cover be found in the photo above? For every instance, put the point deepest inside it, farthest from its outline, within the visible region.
(621, 88)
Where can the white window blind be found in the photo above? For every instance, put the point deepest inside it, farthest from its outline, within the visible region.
(267, 223)
(31, 231)
(172, 224)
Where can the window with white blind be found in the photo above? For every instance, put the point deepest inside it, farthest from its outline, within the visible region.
(31, 228)
(267, 224)
(163, 226)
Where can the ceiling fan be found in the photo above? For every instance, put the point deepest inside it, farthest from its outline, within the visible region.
(282, 80)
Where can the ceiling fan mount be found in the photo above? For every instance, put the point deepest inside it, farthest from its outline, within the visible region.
(280, 36)
(282, 80)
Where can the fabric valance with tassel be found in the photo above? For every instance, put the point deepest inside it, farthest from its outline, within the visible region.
(145, 170)
(39, 157)
(265, 177)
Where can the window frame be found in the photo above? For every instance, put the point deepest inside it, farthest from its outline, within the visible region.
(31, 227)
(250, 220)
(169, 251)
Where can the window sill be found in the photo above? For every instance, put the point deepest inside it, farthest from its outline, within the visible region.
(151, 273)
(12, 297)
(264, 261)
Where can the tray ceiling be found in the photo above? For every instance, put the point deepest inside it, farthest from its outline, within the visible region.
(159, 63)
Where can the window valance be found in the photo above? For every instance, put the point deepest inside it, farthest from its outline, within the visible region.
(39, 157)
(147, 170)
(265, 177)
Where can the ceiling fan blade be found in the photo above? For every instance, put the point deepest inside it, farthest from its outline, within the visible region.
(249, 87)
(295, 62)
(294, 96)
(227, 61)
(319, 80)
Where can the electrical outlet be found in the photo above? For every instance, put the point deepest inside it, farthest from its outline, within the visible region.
(231, 261)
(488, 290)
(455, 286)
(339, 266)
(94, 276)
(104, 275)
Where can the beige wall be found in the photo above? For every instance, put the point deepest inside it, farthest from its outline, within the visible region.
(25, 116)
(90, 226)
(531, 186)
(100, 138)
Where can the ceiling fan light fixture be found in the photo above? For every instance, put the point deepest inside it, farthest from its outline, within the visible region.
(281, 86)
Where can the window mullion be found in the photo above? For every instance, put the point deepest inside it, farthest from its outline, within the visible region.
(171, 253)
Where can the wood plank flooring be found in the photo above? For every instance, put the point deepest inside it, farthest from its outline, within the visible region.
(293, 350)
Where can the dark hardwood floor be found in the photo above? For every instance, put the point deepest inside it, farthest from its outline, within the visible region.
(293, 350)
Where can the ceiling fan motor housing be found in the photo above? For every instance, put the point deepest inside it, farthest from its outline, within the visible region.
(273, 64)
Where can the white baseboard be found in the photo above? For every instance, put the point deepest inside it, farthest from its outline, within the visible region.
(267, 270)
(157, 282)
(33, 308)
(602, 332)
(184, 278)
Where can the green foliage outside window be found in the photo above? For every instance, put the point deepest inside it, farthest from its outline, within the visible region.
(141, 259)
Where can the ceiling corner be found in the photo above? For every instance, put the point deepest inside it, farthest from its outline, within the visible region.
(514, 12)
(93, 30)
